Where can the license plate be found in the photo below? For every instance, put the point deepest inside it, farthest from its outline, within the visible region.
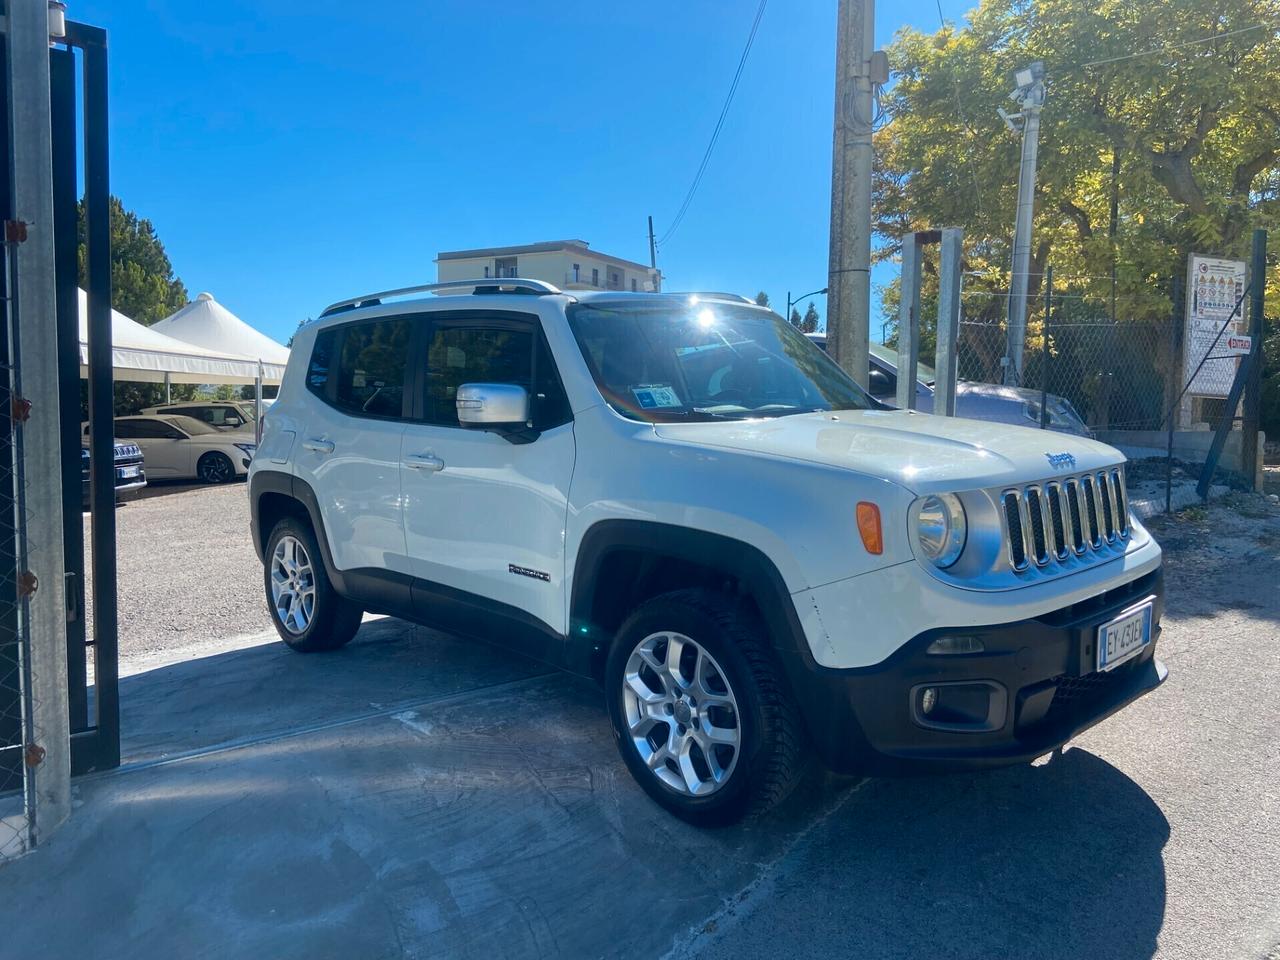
(1124, 637)
(128, 473)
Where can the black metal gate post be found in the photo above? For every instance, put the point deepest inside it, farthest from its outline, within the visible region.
(95, 720)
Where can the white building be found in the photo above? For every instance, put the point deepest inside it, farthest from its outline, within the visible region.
(568, 264)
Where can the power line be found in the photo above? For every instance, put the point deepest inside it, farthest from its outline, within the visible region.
(715, 133)
(1177, 46)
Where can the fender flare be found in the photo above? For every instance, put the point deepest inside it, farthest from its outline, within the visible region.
(736, 558)
(276, 481)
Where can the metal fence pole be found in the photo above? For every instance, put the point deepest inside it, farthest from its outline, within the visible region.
(950, 276)
(1179, 288)
(1044, 353)
(1253, 384)
(909, 322)
(35, 375)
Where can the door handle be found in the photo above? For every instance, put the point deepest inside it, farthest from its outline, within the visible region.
(318, 446)
(424, 461)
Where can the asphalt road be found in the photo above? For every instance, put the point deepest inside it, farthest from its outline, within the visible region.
(416, 795)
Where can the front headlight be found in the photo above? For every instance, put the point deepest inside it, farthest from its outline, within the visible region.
(940, 529)
(248, 448)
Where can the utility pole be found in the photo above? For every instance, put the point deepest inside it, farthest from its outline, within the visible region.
(859, 67)
(1030, 99)
(653, 256)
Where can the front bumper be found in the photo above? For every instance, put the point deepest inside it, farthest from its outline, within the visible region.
(867, 719)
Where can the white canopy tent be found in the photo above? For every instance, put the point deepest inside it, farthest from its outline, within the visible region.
(141, 353)
(209, 325)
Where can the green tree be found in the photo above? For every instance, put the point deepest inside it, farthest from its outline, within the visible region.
(795, 319)
(143, 285)
(810, 322)
(143, 288)
(1178, 135)
(762, 299)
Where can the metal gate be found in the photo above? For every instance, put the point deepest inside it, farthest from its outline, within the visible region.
(92, 659)
(78, 87)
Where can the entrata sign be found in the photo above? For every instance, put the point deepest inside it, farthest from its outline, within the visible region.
(1236, 346)
(1214, 287)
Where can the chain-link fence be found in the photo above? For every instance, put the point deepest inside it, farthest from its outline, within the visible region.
(1107, 364)
(17, 707)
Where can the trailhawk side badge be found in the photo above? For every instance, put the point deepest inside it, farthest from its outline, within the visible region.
(1060, 460)
(526, 572)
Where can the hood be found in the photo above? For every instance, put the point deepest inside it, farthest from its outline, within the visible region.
(921, 452)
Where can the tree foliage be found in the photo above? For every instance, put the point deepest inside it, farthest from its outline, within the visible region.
(143, 288)
(1178, 134)
(143, 285)
(795, 318)
(810, 322)
(762, 299)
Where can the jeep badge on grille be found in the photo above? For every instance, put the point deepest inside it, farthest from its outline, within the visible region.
(1060, 460)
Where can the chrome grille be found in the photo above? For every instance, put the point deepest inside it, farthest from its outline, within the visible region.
(1063, 521)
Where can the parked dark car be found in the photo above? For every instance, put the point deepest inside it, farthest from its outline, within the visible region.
(1019, 406)
(131, 474)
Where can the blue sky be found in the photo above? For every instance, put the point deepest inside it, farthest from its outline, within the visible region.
(293, 154)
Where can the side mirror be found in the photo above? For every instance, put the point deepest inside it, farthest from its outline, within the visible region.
(493, 406)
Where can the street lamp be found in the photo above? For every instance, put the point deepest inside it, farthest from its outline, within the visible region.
(811, 293)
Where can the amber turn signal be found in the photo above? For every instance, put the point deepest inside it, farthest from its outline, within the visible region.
(869, 527)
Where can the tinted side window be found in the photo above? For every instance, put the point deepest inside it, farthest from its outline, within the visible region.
(321, 358)
(144, 430)
(458, 355)
(371, 368)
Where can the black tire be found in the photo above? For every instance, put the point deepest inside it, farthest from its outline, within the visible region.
(334, 619)
(215, 467)
(773, 754)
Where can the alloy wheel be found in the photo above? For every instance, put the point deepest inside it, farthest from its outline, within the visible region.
(681, 714)
(216, 469)
(293, 585)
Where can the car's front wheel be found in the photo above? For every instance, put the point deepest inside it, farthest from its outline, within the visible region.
(699, 708)
(215, 467)
(308, 613)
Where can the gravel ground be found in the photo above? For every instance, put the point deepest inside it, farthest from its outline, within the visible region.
(187, 573)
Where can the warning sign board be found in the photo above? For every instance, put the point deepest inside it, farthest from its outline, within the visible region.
(1214, 287)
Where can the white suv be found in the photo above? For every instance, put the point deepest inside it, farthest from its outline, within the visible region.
(683, 498)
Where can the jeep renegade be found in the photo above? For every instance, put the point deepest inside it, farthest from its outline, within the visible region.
(685, 499)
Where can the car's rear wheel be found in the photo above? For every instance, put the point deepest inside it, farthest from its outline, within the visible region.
(215, 467)
(308, 613)
(699, 708)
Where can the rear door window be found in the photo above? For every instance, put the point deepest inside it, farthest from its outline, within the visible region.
(371, 365)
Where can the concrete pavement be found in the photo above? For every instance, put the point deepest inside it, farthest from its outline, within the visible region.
(420, 796)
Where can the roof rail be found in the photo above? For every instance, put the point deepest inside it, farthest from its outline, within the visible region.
(714, 295)
(518, 285)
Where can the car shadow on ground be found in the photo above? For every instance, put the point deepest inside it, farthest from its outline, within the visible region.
(416, 794)
(1061, 859)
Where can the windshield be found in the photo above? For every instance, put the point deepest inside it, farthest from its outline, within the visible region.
(888, 355)
(687, 361)
(191, 426)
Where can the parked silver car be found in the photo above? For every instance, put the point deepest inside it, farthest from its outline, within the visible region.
(976, 401)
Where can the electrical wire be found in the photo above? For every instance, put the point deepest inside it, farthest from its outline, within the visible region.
(1177, 46)
(715, 133)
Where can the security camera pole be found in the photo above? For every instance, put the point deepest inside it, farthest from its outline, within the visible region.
(849, 266)
(1030, 98)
